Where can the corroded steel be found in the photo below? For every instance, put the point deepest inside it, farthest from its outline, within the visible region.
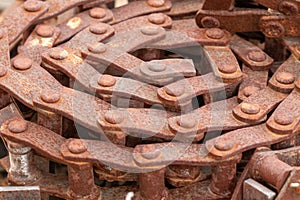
(155, 99)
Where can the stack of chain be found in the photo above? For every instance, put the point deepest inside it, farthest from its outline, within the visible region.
(155, 99)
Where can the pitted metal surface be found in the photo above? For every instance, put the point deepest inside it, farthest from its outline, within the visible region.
(154, 99)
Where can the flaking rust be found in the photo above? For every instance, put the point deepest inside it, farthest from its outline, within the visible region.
(156, 99)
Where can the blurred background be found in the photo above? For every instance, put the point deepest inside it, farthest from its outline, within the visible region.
(6, 3)
(13, 3)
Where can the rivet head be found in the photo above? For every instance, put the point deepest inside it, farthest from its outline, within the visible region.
(18, 126)
(157, 18)
(98, 29)
(187, 123)
(175, 92)
(227, 69)
(151, 153)
(98, 13)
(210, 22)
(285, 78)
(157, 67)
(59, 53)
(257, 56)
(156, 3)
(249, 90)
(114, 117)
(76, 147)
(45, 30)
(1, 34)
(50, 96)
(97, 48)
(288, 8)
(106, 80)
(150, 30)
(284, 119)
(22, 63)
(273, 29)
(215, 33)
(32, 5)
(249, 108)
(223, 145)
(3, 70)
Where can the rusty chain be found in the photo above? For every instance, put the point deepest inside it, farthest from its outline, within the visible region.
(156, 99)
